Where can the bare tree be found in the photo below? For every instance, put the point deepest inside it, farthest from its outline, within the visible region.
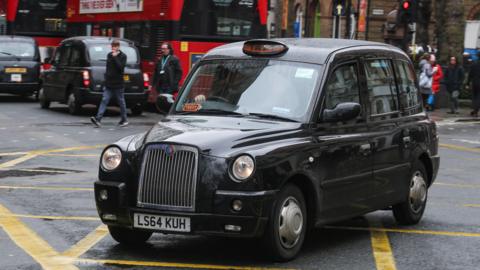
(424, 12)
(450, 26)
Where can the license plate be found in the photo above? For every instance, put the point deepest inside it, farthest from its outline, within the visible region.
(15, 70)
(161, 223)
(126, 78)
(16, 77)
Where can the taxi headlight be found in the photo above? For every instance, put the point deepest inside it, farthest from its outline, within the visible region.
(242, 168)
(111, 158)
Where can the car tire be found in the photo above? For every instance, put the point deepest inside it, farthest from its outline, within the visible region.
(129, 236)
(411, 210)
(44, 102)
(287, 225)
(137, 109)
(74, 107)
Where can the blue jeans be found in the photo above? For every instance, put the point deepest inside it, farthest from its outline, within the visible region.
(107, 95)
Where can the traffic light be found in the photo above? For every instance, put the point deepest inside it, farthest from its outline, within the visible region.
(407, 11)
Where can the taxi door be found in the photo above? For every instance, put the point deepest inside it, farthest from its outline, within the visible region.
(345, 149)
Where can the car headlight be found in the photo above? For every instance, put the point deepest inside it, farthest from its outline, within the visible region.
(111, 158)
(243, 168)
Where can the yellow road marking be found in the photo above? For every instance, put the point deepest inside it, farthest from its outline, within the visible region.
(471, 205)
(54, 217)
(31, 243)
(32, 154)
(70, 155)
(16, 161)
(381, 250)
(13, 154)
(457, 185)
(47, 188)
(174, 265)
(459, 148)
(44, 171)
(379, 229)
(87, 242)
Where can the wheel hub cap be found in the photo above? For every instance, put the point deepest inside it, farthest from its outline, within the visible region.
(290, 223)
(418, 192)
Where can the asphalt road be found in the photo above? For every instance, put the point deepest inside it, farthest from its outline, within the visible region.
(49, 161)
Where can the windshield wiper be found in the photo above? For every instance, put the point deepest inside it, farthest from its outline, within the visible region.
(9, 54)
(272, 116)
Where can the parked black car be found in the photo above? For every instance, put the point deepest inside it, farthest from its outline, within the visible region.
(270, 137)
(77, 74)
(19, 65)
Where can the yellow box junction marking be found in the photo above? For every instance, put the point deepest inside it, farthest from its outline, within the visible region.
(53, 217)
(175, 265)
(382, 251)
(32, 154)
(32, 244)
(87, 242)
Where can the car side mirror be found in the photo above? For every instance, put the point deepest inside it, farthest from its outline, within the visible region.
(342, 112)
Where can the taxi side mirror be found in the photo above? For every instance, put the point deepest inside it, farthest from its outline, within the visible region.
(342, 112)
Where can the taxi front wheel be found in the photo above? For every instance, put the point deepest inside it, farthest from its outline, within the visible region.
(285, 233)
(129, 236)
(411, 210)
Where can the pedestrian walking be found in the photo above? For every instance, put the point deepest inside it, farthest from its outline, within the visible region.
(168, 71)
(453, 79)
(474, 84)
(436, 79)
(114, 85)
(425, 79)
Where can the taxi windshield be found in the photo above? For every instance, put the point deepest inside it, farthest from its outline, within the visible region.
(262, 88)
(17, 49)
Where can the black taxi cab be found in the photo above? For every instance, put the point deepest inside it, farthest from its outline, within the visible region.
(271, 137)
(19, 65)
(77, 74)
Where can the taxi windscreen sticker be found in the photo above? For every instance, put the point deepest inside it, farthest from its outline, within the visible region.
(304, 73)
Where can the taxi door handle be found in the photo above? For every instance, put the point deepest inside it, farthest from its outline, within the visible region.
(365, 149)
(406, 141)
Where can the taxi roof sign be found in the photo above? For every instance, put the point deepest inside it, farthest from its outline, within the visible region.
(264, 48)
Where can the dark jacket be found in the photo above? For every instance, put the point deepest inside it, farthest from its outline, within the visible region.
(172, 75)
(453, 78)
(115, 69)
(474, 76)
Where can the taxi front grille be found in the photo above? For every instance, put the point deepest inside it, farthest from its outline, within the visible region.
(168, 177)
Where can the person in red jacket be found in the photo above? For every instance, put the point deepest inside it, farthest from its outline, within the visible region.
(436, 79)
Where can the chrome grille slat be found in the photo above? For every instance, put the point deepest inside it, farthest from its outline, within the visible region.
(168, 180)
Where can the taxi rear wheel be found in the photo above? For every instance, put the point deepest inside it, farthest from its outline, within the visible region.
(44, 102)
(287, 225)
(129, 236)
(411, 210)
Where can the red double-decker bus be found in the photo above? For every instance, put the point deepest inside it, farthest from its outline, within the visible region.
(44, 20)
(192, 26)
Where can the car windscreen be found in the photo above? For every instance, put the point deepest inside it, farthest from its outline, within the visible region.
(259, 87)
(99, 52)
(17, 49)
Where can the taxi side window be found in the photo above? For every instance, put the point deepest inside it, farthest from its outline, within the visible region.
(76, 57)
(64, 56)
(406, 85)
(342, 86)
(381, 86)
